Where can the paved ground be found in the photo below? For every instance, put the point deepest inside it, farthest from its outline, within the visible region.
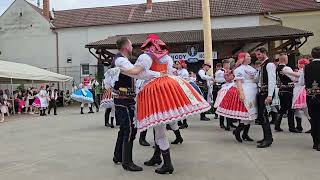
(71, 146)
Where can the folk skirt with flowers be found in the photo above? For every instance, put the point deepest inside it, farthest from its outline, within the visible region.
(167, 99)
(299, 100)
(231, 105)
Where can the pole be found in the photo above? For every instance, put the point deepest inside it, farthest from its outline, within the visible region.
(14, 109)
(207, 32)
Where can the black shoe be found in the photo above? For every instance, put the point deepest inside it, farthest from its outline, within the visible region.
(143, 142)
(216, 116)
(308, 132)
(237, 132)
(203, 117)
(97, 110)
(294, 131)
(90, 110)
(156, 158)
(299, 129)
(278, 129)
(247, 138)
(116, 160)
(264, 144)
(260, 141)
(167, 165)
(227, 128)
(318, 148)
(81, 111)
(222, 126)
(131, 167)
(179, 139)
(107, 124)
(55, 114)
(233, 126)
(314, 146)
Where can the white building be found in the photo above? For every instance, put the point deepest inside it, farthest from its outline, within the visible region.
(31, 35)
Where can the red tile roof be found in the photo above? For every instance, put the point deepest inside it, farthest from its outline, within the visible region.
(248, 34)
(174, 10)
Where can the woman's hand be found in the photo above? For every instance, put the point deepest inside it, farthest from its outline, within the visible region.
(242, 97)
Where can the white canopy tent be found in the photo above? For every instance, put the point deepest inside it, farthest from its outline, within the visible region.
(11, 72)
(23, 73)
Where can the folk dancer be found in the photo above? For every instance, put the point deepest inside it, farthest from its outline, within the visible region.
(202, 81)
(163, 100)
(311, 78)
(53, 96)
(267, 85)
(239, 102)
(83, 95)
(299, 100)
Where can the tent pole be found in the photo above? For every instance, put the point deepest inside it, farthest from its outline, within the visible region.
(14, 110)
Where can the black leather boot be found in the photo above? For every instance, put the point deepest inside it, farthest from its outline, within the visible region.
(156, 158)
(90, 110)
(184, 124)
(81, 111)
(179, 139)
(142, 139)
(245, 135)
(228, 127)
(106, 118)
(167, 166)
(111, 119)
(277, 124)
(237, 132)
(221, 122)
(203, 117)
(299, 124)
(127, 162)
(55, 111)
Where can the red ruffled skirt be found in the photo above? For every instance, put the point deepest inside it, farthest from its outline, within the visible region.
(231, 106)
(167, 99)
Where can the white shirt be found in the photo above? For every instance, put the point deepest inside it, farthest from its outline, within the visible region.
(124, 63)
(245, 73)
(286, 70)
(183, 73)
(203, 75)
(219, 76)
(272, 78)
(91, 83)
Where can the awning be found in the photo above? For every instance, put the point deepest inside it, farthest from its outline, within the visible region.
(245, 34)
(23, 73)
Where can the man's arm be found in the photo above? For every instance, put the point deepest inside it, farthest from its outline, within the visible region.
(203, 76)
(289, 73)
(272, 78)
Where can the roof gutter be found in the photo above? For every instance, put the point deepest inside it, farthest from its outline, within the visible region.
(274, 18)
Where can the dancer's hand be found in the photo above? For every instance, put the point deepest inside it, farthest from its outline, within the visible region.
(268, 100)
(242, 97)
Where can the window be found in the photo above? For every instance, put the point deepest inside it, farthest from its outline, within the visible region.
(85, 69)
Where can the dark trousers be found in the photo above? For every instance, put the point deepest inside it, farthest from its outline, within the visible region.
(94, 98)
(286, 107)
(313, 105)
(263, 117)
(52, 104)
(124, 111)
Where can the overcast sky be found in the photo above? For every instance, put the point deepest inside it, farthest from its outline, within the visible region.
(73, 4)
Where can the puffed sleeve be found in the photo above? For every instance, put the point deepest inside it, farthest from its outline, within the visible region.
(144, 61)
(238, 74)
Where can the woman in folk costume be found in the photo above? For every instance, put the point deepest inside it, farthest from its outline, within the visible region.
(299, 100)
(239, 101)
(162, 100)
(83, 95)
(43, 99)
(184, 74)
(108, 104)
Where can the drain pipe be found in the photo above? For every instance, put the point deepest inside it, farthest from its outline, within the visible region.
(274, 18)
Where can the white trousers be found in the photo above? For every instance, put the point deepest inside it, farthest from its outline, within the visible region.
(160, 135)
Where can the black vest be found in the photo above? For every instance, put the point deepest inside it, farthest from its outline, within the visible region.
(311, 74)
(285, 80)
(124, 80)
(264, 72)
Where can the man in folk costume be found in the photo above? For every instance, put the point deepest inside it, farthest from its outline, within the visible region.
(285, 94)
(125, 108)
(267, 85)
(311, 78)
(163, 100)
(92, 88)
(202, 80)
(53, 96)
